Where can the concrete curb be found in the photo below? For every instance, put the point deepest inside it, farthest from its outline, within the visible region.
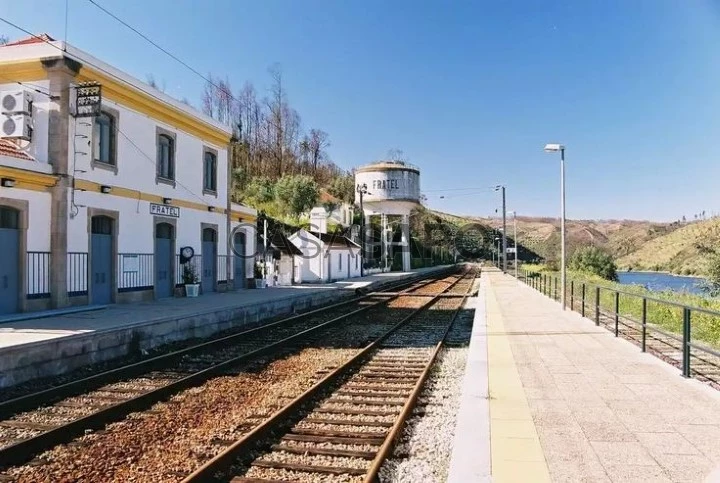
(471, 447)
(23, 362)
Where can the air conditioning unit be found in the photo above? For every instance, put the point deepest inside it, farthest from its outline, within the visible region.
(16, 126)
(16, 102)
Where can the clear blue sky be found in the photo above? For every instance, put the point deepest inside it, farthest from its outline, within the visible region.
(470, 92)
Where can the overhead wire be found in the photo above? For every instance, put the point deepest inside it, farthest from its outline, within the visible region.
(8, 22)
(86, 62)
(225, 91)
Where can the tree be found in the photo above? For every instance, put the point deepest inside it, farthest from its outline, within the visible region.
(343, 188)
(298, 192)
(260, 190)
(4, 40)
(317, 142)
(278, 117)
(595, 261)
(711, 285)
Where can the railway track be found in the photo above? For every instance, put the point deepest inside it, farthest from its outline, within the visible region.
(345, 426)
(36, 422)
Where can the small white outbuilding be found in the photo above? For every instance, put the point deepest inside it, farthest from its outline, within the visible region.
(326, 257)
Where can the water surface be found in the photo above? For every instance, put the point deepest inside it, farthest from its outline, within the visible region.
(662, 281)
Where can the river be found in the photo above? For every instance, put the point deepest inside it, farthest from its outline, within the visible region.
(662, 281)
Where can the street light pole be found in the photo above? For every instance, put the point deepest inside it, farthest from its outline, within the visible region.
(563, 274)
(554, 148)
(516, 244)
(504, 236)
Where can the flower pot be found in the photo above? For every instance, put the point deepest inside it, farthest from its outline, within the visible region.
(259, 283)
(192, 289)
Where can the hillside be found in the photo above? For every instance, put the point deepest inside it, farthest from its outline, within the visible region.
(683, 251)
(542, 235)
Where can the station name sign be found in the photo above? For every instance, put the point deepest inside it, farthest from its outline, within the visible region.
(386, 184)
(164, 210)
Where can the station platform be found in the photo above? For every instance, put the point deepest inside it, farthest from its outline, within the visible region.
(548, 396)
(44, 346)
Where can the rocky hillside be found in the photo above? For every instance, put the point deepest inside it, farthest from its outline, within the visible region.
(684, 251)
(542, 235)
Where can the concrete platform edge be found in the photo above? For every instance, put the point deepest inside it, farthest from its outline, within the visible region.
(470, 459)
(56, 356)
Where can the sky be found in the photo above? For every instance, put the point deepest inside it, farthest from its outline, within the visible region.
(470, 91)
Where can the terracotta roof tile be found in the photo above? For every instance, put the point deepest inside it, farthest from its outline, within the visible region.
(326, 197)
(39, 39)
(8, 148)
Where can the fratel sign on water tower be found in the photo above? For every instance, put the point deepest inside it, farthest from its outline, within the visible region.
(393, 191)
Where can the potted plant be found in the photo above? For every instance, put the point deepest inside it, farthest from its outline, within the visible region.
(190, 280)
(259, 280)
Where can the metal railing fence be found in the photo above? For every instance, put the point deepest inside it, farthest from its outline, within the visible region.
(687, 336)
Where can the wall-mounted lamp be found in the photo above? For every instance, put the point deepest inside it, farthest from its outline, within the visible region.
(211, 208)
(167, 201)
(105, 189)
(8, 183)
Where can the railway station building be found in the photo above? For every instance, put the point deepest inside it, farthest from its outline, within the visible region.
(94, 209)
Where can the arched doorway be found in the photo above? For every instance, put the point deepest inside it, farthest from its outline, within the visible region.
(164, 283)
(239, 275)
(101, 259)
(10, 268)
(209, 260)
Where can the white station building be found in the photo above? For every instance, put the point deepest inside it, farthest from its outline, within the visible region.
(95, 210)
(392, 191)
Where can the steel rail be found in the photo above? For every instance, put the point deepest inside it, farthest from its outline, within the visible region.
(25, 449)
(390, 440)
(72, 388)
(225, 459)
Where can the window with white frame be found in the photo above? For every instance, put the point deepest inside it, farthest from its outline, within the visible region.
(210, 171)
(104, 141)
(166, 157)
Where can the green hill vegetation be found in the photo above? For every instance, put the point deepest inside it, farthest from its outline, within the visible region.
(686, 251)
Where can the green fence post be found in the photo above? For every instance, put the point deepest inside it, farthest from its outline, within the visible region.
(597, 305)
(686, 342)
(644, 323)
(583, 300)
(617, 313)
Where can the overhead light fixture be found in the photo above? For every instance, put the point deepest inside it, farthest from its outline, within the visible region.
(167, 201)
(211, 208)
(8, 183)
(105, 189)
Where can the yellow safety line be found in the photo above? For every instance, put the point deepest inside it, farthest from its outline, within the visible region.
(515, 449)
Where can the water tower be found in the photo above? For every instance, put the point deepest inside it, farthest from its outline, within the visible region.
(393, 191)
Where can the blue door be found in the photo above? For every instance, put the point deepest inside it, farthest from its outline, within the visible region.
(10, 267)
(209, 260)
(163, 260)
(101, 260)
(239, 271)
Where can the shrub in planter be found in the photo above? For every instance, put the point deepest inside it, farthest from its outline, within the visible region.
(190, 280)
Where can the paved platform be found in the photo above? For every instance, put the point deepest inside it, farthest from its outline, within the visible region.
(570, 402)
(51, 345)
